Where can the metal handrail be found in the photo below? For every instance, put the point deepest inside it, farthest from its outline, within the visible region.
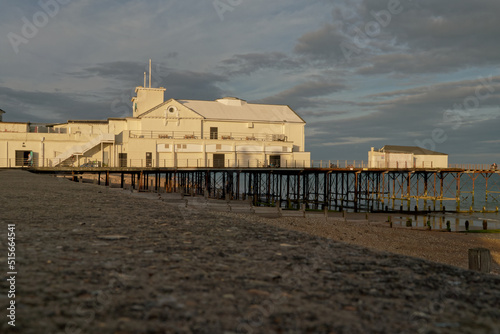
(229, 163)
(207, 135)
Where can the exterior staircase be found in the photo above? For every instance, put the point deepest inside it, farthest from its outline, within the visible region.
(81, 149)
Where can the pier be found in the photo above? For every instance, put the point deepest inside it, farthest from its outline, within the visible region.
(357, 189)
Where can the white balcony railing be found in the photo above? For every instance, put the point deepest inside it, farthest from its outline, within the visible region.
(206, 135)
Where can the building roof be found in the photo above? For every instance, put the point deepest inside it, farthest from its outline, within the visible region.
(240, 110)
(409, 149)
(16, 123)
(88, 121)
(234, 109)
(2, 112)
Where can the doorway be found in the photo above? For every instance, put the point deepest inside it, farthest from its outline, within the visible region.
(24, 158)
(219, 160)
(274, 161)
(122, 159)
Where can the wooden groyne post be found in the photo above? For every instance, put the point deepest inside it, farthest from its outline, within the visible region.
(480, 260)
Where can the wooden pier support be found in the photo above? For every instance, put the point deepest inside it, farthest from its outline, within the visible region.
(412, 191)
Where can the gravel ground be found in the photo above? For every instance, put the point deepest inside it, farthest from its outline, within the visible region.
(91, 259)
(375, 233)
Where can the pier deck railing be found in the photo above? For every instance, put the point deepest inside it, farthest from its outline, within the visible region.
(228, 163)
(474, 166)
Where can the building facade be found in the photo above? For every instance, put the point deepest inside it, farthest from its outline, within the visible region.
(391, 156)
(227, 132)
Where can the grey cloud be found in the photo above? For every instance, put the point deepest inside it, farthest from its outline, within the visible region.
(323, 43)
(112, 102)
(439, 36)
(343, 42)
(426, 105)
(23, 106)
(426, 37)
(322, 113)
(358, 134)
(305, 95)
(179, 83)
(486, 84)
(125, 71)
(252, 62)
(194, 85)
(348, 138)
(409, 117)
(406, 63)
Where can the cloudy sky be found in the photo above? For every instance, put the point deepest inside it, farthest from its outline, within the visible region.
(362, 73)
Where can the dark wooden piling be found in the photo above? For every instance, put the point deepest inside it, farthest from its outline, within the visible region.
(352, 189)
(480, 260)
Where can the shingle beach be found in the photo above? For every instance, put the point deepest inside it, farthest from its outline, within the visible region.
(94, 259)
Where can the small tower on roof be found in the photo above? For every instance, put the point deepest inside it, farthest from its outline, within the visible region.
(1, 114)
(147, 97)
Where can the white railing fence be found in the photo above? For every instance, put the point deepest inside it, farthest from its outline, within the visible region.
(211, 163)
(206, 135)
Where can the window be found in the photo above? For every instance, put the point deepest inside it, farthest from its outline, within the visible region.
(214, 133)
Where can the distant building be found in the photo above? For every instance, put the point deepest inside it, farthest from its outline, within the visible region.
(391, 156)
(227, 132)
(1, 114)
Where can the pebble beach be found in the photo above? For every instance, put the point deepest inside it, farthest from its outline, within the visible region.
(96, 259)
